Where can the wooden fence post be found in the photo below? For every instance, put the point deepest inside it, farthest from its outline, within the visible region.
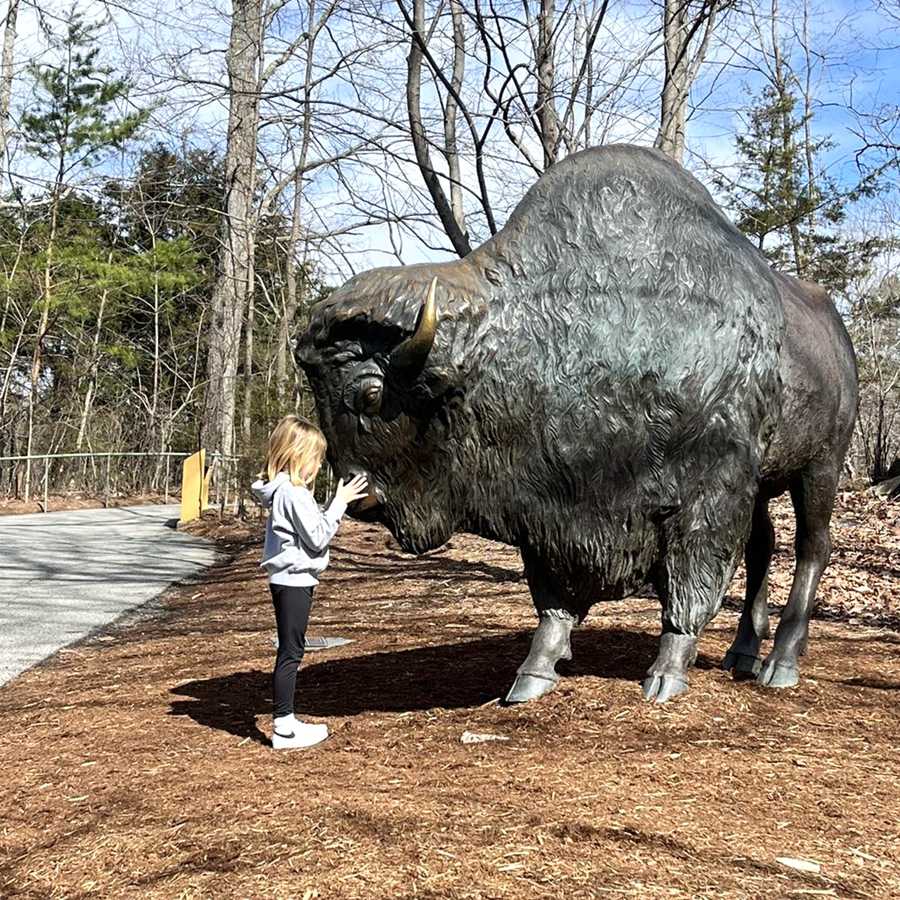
(223, 497)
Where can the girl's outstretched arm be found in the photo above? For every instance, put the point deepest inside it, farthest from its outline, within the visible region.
(315, 527)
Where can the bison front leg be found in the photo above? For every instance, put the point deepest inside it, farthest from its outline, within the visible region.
(550, 644)
(696, 571)
(558, 613)
(668, 677)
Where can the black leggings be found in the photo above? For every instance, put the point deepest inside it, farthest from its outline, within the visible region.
(292, 605)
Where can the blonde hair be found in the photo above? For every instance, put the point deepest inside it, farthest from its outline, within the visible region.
(297, 447)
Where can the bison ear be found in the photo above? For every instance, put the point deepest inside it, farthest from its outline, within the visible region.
(410, 356)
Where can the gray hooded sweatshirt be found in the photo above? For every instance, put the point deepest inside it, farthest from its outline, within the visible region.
(297, 532)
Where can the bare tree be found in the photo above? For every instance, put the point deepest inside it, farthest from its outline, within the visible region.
(875, 325)
(534, 96)
(878, 122)
(685, 25)
(418, 48)
(93, 369)
(6, 72)
(291, 300)
(546, 82)
(312, 141)
(451, 107)
(235, 278)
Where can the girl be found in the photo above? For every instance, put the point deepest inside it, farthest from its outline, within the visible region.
(295, 554)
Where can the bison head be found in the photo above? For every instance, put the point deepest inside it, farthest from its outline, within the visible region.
(389, 397)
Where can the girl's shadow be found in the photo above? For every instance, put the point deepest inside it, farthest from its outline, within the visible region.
(446, 676)
(229, 703)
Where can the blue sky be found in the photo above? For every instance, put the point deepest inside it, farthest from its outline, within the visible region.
(857, 64)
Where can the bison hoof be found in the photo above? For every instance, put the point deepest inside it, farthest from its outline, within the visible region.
(776, 674)
(743, 666)
(663, 687)
(529, 687)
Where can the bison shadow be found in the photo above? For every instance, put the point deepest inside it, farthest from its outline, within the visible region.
(456, 675)
(358, 565)
(876, 684)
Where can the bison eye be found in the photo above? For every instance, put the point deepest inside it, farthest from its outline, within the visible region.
(368, 396)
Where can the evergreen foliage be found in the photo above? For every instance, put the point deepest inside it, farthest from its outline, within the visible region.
(786, 203)
(73, 122)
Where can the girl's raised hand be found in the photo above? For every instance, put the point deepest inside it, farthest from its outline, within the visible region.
(355, 489)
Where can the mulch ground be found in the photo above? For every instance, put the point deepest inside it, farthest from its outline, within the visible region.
(14, 506)
(136, 764)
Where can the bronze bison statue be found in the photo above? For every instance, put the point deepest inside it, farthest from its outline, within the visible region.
(616, 383)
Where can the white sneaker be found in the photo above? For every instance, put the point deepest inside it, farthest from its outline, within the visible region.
(289, 734)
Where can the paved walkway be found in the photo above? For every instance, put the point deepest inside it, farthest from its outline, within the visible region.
(64, 574)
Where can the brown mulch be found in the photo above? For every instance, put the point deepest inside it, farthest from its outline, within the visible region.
(135, 764)
(861, 582)
(13, 506)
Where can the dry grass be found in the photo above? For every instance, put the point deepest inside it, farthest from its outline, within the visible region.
(135, 765)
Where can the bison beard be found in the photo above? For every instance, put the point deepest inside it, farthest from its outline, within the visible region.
(597, 385)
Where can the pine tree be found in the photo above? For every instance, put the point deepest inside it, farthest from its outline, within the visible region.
(73, 124)
(791, 213)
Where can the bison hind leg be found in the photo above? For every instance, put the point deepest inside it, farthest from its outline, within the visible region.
(812, 493)
(742, 658)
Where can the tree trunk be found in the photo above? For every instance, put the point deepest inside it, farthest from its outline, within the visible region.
(451, 149)
(456, 235)
(679, 30)
(234, 281)
(585, 50)
(6, 73)
(811, 188)
(291, 302)
(92, 377)
(546, 108)
(670, 137)
(783, 89)
(247, 417)
(37, 354)
(4, 321)
(154, 399)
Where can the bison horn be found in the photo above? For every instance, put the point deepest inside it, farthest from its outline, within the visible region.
(413, 352)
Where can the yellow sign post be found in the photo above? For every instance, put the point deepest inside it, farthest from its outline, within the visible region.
(194, 487)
